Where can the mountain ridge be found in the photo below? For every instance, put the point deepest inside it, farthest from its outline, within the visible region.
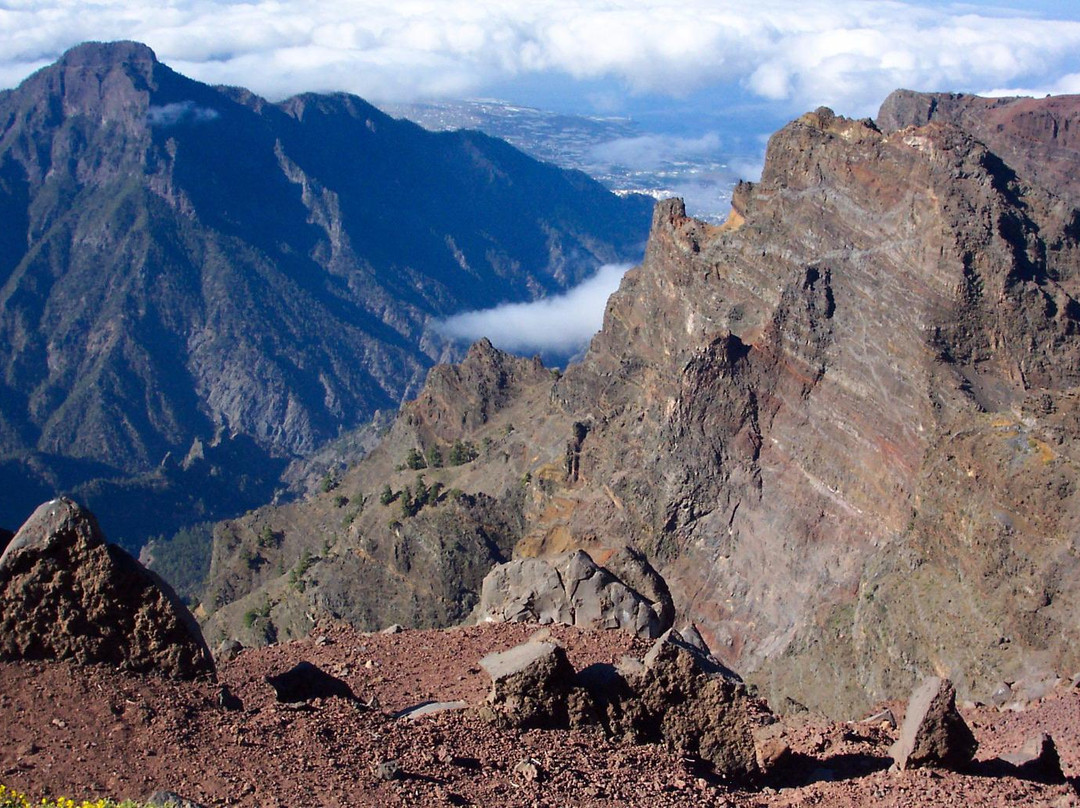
(804, 416)
(197, 263)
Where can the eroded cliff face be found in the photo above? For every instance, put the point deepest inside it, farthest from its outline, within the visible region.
(841, 423)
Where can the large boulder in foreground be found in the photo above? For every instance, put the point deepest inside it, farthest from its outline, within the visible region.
(66, 594)
(680, 696)
(575, 590)
(531, 686)
(934, 733)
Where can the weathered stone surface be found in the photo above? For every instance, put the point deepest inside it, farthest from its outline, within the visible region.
(530, 686)
(858, 394)
(1037, 759)
(305, 681)
(66, 594)
(934, 733)
(673, 698)
(574, 589)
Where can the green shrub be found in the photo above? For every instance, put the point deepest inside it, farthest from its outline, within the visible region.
(414, 460)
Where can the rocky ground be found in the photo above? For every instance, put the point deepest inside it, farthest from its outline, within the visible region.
(85, 732)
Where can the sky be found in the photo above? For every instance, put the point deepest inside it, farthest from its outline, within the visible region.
(713, 74)
(610, 56)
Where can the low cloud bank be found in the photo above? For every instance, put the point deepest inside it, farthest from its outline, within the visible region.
(847, 54)
(555, 326)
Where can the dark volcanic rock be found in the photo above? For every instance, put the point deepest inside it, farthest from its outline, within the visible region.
(1037, 759)
(675, 699)
(933, 733)
(305, 681)
(66, 594)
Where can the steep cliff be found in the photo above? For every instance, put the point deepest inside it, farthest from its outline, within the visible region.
(842, 423)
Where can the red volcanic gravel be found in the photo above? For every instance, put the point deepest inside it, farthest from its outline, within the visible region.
(91, 732)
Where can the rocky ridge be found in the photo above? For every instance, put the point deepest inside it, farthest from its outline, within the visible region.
(196, 283)
(840, 425)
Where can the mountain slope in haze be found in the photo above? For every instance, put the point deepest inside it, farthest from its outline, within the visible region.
(843, 424)
(185, 263)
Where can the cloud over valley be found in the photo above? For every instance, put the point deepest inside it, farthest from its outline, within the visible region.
(555, 327)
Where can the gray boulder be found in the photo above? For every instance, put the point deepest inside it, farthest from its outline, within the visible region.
(66, 594)
(934, 733)
(574, 590)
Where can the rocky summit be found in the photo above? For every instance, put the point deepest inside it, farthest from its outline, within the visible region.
(842, 426)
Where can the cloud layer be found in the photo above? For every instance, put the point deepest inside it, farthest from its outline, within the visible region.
(556, 326)
(845, 53)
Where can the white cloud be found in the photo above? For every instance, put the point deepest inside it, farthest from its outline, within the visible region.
(179, 112)
(845, 53)
(650, 152)
(559, 325)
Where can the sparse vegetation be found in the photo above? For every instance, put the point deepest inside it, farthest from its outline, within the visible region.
(257, 613)
(434, 457)
(328, 483)
(463, 452)
(268, 537)
(340, 501)
(388, 495)
(296, 577)
(184, 559)
(414, 460)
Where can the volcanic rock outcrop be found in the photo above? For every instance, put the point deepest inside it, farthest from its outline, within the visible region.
(675, 696)
(842, 425)
(67, 595)
(575, 590)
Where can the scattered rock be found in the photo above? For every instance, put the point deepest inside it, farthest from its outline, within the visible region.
(429, 708)
(772, 754)
(169, 799)
(1037, 760)
(934, 733)
(228, 650)
(882, 717)
(573, 589)
(387, 770)
(67, 594)
(529, 770)
(306, 681)
(1002, 693)
(530, 686)
(681, 697)
(227, 700)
